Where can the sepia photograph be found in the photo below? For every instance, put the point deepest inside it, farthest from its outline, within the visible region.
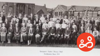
(29, 24)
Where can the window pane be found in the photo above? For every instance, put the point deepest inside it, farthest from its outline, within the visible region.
(94, 14)
(61, 13)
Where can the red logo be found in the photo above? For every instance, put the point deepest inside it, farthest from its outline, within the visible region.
(86, 42)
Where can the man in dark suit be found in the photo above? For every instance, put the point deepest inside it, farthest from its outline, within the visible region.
(31, 18)
(51, 34)
(37, 34)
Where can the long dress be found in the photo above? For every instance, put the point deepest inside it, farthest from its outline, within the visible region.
(37, 34)
(67, 35)
(92, 22)
(51, 35)
(3, 18)
(23, 34)
(58, 33)
(3, 34)
(74, 33)
(31, 18)
(16, 34)
(13, 21)
(44, 31)
(20, 22)
(9, 35)
(63, 29)
(30, 33)
(9, 17)
(44, 28)
(0, 33)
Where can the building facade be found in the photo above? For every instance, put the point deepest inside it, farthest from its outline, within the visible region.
(39, 10)
(83, 11)
(59, 11)
(16, 8)
(76, 11)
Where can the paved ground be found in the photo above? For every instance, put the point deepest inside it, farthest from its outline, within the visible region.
(41, 45)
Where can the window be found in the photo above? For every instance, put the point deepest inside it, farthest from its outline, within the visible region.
(61, 13)
(94, 14)
(10, 8)
(56, 13)
(98, 13)
(90, 14)
(75, 13)
(3, 7)
(71, 13)
(29, 10)
(81, 14)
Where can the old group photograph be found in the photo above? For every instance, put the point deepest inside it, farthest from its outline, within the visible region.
(29, 24)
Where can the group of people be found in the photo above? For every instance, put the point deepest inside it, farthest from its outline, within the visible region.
(44, 29)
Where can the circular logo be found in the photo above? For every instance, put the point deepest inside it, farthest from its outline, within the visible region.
(86, 42)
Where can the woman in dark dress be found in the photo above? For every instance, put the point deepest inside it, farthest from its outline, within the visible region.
(74, 33)
(64, 26)
(51, 34)
(67, 38)
(3, 18)
(37, 34)
(31, 18)
(92, 22)
(36, 19)
(44, 32)
(20, 20)
(0, 31)
(58, 31)
(9, 17)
